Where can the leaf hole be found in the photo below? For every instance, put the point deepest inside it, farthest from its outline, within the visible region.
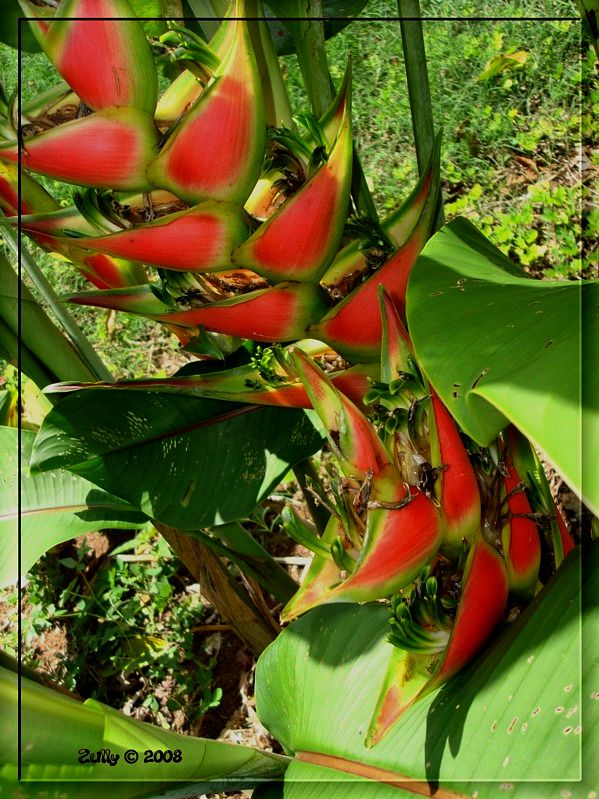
(548, 343)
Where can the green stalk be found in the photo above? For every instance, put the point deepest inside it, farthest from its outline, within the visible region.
(278, 109)
(418, 87)
(308, 34)
(233, 541)
(46, 354)
(84, 349)
(212, 12)
(305, 473)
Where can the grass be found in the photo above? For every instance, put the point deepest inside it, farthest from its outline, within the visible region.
(511, 142)
(119, 623)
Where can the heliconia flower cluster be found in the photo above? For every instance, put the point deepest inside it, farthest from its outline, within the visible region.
(194, 212)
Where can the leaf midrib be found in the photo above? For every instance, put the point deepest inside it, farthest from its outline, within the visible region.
(212, 421)
(414, 785)
(13, 514)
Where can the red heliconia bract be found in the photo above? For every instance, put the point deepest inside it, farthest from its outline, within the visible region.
(101, 270)
(322, 573)
(520, 535)
(396, 346)
(353, 326)
(177, 99)
(134, 299)
(480, 609)
(110, 149)
(456, 486)
(398, 226)
(34, 198)
(353, 439)
(216, 150)
(277, 314)
(405, 678)
(106, 272)
(398, 542)
(102, 52)
(198, 239)
(530, 470)
(301, 238)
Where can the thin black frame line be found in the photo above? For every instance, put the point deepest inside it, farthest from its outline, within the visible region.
(20, 20)
(19, 426)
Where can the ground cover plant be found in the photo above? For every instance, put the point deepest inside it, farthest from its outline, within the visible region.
(311, 320)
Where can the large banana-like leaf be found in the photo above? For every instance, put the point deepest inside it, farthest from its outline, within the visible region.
(184, 461)
(46, 355)
(54, 507)
(511, 350)
(50, 761)
(513, 717)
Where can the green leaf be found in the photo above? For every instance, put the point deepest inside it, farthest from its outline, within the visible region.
(156, 8)
(510, 349)
(503, 62)
(204, 765)
(513, 716)
(187, 462)
(234, 542)
(46, 354)
(54, 508)
(9, 28)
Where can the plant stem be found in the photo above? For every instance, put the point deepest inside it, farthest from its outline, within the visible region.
(85, 350)
(278, 109)
(230, 600)
(209, 14)
(312, 55)
(234, 542)
(304, 472)
(418, 87)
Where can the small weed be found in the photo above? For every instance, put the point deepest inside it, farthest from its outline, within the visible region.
(128, 625)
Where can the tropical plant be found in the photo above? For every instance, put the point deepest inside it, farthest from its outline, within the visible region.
(433, 527)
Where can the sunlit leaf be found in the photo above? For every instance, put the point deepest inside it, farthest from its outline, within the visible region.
(50, 760)
(514, 716)
(515, 346)
(54, 507)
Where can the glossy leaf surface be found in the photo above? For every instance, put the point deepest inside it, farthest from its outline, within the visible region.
(516, 349)
(50, 761)
(54, 507)
(514, 715)
(220, 462)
